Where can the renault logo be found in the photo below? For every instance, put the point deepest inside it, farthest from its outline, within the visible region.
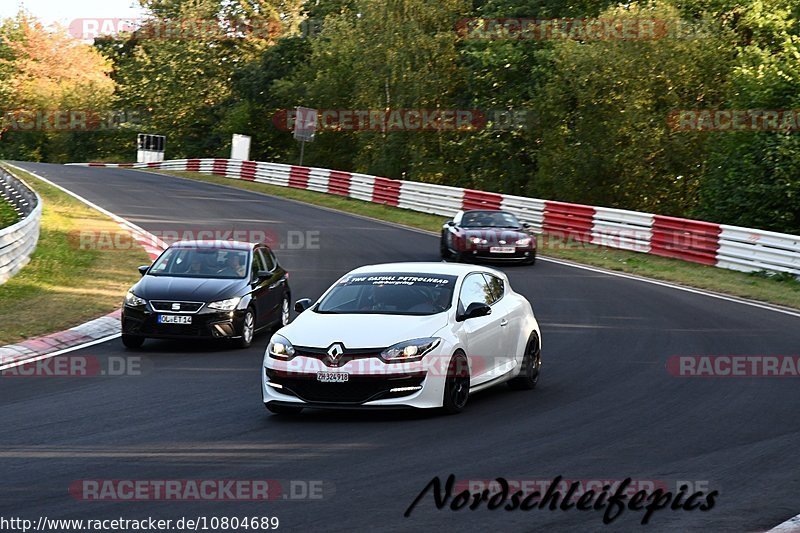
(335, 351)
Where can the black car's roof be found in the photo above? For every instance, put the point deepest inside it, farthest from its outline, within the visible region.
(234, 245)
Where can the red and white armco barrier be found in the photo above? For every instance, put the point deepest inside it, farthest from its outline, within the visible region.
(706, 243)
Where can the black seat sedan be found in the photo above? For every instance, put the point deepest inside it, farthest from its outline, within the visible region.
(207, 289)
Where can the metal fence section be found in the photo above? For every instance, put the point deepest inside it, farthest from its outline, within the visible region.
(18, 241)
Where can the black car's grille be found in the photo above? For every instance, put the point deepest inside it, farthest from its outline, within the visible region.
(188, 330)
(346, 356)
(182, 307)
(356, 390)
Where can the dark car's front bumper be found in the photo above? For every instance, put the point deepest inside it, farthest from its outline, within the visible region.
(484, 252)
(206, 324)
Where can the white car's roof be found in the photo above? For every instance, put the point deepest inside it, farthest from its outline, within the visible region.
(453, 269)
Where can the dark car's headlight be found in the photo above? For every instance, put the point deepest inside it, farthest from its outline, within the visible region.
(279, 347)
(525, 241)
(411, 350)
(477, 240)
(225, 305)
(131, 300)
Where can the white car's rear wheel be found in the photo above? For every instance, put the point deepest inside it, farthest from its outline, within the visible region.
(531, 367)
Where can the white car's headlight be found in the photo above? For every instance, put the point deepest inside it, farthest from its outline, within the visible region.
(225, 305)
(411, 350)
(526, 241)
(279, 347)
(132, 300)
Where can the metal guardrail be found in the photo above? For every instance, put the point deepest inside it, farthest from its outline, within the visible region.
(719, 245)
(18, 241)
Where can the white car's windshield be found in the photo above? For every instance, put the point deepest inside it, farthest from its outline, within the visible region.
(390, 293)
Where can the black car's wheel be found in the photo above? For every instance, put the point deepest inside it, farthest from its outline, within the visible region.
(456, 385)
(248, 329)
(283, 409)
(285, 310)
(532, 259)
(444, 252)
(132, 341)
(531, 367)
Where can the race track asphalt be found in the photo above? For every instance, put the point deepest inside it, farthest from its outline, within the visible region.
(606, 408)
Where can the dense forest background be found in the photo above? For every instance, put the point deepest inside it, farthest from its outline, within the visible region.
(593, 114)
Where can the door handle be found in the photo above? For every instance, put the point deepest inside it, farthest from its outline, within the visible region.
(503, 323)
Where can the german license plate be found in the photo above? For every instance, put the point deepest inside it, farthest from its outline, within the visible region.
(333, 377)
(502, 249)
(174, 319)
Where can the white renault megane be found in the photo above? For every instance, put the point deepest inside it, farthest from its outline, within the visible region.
(403, 335)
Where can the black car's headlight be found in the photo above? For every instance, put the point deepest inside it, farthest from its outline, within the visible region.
(525, 241)
(225, 305)
(279, 347)
(131, 300)
(411, 350)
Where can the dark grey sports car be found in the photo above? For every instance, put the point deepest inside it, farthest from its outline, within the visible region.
(207, 289)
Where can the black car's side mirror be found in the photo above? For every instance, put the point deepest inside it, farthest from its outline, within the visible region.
(143, 269)
(451, 223)
(302, 304)
(474, 310)
(526, 225)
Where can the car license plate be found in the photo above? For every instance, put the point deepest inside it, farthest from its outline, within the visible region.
(174, 319)
(333, 377)
(502, 249)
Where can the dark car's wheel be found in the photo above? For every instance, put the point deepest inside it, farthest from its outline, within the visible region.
(285, 310)
(283, 409)
(531, 260)
(443, 250)
(132, 341)
(456, 385)
(248, 329)
(531, 367)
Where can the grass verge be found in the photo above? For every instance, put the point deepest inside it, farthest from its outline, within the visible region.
(8, 215)
(64, 285)
(780, 290)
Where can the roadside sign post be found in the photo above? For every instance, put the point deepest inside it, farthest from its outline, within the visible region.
(305, 126)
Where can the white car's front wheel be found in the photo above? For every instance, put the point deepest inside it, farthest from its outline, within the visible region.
(456, 385)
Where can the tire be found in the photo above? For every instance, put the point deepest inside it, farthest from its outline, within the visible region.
(285, 311)
(531, 260)
(531, 367)
(456, 385)
(248, 329)
(132, 341)
(444, 253)
(283, 409)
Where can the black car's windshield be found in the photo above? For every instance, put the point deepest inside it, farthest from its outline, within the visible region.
(489, 219)
(222, 263)
(390, 293)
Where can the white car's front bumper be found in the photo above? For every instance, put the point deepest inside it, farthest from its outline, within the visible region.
(372, 383)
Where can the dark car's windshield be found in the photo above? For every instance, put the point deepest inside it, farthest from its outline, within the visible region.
(222, 263)
(489, 219)
(390, 293)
